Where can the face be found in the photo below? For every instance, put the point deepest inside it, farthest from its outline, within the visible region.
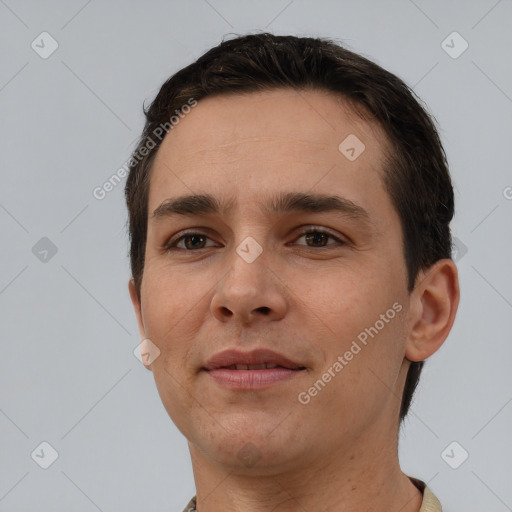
(255, 275)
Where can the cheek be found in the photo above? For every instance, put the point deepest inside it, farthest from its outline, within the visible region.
(348, 301)
(169, 290)
(362, 318)
(166, 304)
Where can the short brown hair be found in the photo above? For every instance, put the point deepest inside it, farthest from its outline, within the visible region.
(416, 172)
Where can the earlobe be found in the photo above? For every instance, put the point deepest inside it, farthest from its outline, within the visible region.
(435, 300)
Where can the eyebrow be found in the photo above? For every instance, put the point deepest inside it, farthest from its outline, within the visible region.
(206, 204)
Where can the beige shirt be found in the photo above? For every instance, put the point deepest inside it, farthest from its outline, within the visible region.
(429, 504)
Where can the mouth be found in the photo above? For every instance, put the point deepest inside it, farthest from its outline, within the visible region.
(259, 359)
(230, 371)
(253, 377)
(259, 369)
(262, 366)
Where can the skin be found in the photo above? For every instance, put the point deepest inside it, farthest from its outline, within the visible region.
(340, 451)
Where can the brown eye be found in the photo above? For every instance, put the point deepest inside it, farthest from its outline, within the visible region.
(196, 241)
(315, 238)
(191, 241)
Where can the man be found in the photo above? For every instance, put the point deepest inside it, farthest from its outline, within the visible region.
(289, 207)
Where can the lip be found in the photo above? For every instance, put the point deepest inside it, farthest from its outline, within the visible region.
(245, 379)
(252, 379)
(259, 356)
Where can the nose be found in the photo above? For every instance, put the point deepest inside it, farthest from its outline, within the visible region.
(249, 291)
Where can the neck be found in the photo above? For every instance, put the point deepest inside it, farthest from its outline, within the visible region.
(364, 476)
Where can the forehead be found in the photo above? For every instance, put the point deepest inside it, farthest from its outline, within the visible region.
(252, 144)
(306, 118)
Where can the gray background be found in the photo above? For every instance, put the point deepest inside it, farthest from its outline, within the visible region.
(68, 375)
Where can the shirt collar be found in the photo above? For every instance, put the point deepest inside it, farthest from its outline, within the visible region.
(430, 502)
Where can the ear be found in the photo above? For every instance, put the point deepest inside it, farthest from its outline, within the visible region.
(138, 312)
(434, 303)
(136, 306)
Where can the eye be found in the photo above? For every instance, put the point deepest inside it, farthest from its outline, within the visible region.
(192, 240)
(317, 236)
(195, 240)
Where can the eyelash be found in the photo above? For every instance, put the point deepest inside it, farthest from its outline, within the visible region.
(171, 245)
